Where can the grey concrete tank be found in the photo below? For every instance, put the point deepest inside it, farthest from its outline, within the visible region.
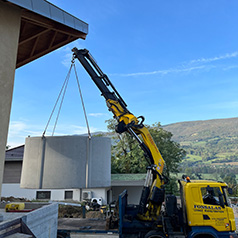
(66, 162)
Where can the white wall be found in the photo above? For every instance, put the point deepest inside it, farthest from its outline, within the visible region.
(99, 193)
(76, 194)
(14, 190)
(134, 193)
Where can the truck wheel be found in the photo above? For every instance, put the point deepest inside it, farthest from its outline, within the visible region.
(62, 235)
(155, 234)
(204, 236)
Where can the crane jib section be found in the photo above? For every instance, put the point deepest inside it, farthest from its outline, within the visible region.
(127, 122)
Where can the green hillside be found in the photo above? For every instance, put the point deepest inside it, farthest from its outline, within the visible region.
(210, 142)
(203, 130)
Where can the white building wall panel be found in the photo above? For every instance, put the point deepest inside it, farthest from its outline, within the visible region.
(66, 162)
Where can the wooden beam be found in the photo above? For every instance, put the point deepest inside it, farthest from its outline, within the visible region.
(34, 46)
(23, 27)
(34, 36)
(53, 39)
(54, 47)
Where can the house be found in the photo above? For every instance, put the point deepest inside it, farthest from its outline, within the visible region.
(119, 182)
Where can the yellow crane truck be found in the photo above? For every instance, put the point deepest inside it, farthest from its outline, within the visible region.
(204, 210)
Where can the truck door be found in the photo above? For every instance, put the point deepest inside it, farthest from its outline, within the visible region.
(229, 209)
(214, 210)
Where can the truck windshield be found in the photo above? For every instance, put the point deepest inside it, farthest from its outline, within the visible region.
(212, 196)
(227, 200)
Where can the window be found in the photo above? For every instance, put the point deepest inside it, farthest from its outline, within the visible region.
(227, 200)
(210, 195)
(68, 195)
(43, 195)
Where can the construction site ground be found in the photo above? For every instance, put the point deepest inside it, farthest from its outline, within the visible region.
(81, 224)
(70, 219)
(85, 227)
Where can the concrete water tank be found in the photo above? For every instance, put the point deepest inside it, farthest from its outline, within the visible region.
(66, 162)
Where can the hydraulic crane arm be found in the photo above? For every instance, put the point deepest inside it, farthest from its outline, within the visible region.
(127, 122)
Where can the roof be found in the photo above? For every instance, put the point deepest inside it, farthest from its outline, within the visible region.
(127, 179)
(202, 182)
(15, 154)
(44, 28)
(205, 181)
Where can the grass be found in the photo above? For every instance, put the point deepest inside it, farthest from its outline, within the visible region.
(199, 143)
(223, 155)
(193, 158)
(185, 143)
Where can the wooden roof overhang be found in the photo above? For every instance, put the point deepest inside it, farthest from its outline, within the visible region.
(44, 28)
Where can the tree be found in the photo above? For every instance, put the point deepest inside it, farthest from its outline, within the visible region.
(230, 179)
(189, 172)
(170, 150)
(172, 186)
(128, 157)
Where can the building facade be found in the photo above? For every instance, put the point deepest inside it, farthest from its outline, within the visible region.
(133, 183)
(12, 178)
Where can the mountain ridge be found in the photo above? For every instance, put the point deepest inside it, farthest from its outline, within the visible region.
(203, 129)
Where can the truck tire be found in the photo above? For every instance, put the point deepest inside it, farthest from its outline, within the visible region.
(62, 235)
(204, 236)
(155, 234)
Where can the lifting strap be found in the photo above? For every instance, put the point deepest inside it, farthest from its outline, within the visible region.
(62, 92)
(81, 96)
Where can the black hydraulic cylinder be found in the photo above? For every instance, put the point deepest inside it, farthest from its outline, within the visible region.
(143, 200)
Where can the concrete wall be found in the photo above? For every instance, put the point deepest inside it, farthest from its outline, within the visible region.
(66, 162)
(10, 27)
(43, 222)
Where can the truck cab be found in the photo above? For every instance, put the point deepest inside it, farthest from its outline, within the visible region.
(204, 212)
(206, 207)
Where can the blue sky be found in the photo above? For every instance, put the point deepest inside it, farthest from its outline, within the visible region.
(171, 61)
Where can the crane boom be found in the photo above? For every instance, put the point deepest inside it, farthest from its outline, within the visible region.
(152, 194)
